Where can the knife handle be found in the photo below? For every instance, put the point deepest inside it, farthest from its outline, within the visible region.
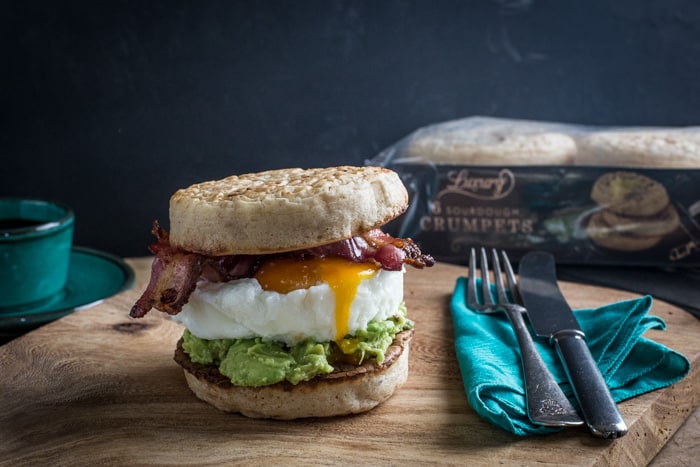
(597, 405)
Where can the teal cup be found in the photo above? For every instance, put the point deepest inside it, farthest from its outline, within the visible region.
(36, 237)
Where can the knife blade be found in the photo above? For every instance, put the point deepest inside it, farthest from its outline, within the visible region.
(551, 317)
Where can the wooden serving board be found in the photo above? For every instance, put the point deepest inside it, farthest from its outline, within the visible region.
(97, 387)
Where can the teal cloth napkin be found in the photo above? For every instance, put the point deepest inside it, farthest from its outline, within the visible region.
(489, 358)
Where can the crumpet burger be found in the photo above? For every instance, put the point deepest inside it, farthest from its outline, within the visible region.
(290, 293)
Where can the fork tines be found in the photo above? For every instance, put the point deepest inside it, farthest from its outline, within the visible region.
(486, 297)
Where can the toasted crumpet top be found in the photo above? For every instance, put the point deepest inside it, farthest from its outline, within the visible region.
(283, 210)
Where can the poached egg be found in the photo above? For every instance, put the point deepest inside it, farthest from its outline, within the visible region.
(288, 300)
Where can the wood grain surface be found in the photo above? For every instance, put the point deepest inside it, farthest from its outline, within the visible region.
(97, 387)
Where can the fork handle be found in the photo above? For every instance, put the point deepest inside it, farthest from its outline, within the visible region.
(546, 403)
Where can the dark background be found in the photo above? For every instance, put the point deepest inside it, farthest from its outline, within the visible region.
(112, 106)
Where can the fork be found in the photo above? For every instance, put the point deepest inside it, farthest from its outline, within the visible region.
(546, 403)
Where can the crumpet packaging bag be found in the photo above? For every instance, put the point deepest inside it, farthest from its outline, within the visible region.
(589, 195)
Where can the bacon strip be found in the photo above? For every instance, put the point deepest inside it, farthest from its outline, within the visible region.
(174, 276)
(173, 279)
(174, 273)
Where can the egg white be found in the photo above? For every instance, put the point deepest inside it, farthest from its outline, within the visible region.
(242, 309)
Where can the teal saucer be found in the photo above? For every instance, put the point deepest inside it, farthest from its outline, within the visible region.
(92, 276)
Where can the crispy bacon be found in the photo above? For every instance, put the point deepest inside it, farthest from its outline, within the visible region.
(385, 253)
(174, 273)
(389, 252)
(174, 276)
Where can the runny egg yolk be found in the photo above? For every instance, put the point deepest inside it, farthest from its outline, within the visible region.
(342, 276)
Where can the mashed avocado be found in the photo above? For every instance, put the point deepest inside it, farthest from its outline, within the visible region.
(255, 362)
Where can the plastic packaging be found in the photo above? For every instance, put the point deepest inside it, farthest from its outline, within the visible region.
(589, 195)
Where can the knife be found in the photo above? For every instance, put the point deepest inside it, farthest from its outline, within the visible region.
(551, 317)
